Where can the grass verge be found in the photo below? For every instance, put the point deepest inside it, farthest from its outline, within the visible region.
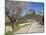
(9, 33)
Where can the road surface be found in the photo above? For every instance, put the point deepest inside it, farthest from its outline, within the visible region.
(31, 28)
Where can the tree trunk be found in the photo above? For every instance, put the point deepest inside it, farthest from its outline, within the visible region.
(13, 26)
(13, 20)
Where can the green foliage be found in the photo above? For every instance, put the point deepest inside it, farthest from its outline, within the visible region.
(21, 20)
(9, 33)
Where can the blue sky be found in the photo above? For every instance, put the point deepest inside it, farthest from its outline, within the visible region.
(33, 5)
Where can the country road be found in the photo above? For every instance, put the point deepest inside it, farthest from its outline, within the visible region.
(31, 28)
(24, 29)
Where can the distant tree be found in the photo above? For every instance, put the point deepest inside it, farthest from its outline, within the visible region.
(33, 15)
(42, 20)
(34, 12)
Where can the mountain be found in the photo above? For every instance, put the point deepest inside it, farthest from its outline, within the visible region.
(36, 12)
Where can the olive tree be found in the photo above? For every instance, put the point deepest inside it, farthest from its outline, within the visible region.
(13, 9)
